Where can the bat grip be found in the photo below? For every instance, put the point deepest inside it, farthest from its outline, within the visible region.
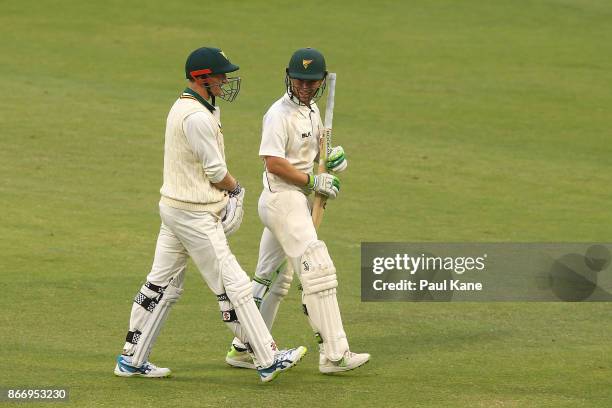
(318, 205)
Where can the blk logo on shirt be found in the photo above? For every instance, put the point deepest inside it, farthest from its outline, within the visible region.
(305, 135)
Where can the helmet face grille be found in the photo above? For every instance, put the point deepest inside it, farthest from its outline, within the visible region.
(230, 89)
(318, 93)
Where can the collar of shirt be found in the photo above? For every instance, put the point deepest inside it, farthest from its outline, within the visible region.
(303, 109)
(203, 101)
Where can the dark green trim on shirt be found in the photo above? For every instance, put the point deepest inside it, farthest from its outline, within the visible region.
(203, 101)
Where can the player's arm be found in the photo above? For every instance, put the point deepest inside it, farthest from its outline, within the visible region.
(201, 136)
(324, 183)
(285, 170)
(200, 133)
(228, 183)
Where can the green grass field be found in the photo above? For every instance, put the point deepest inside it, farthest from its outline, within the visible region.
(462, 120)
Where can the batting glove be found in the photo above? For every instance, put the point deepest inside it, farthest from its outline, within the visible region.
(325, 184)
(336, 160)
(231, 215)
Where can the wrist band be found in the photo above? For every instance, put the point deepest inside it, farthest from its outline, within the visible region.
(236, 190)
(311, 182)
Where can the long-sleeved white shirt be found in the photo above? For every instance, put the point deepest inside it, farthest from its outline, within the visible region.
(200, 136)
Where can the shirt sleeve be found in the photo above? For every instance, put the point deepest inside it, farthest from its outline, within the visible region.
(273, 136)
(200, 133)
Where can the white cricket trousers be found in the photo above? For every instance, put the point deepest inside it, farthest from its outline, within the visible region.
(200, 235)
(197, 234)
(288, 231)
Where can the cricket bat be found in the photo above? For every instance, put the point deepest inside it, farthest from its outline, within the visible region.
(325, 146)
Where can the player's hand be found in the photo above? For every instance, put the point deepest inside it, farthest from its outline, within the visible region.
(325, 184)
(231, 215)
(336, 160)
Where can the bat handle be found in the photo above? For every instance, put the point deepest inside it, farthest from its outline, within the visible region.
(326, 142)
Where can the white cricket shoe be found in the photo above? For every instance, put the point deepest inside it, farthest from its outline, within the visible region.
(349, 361)
(239, 358)
(283, 360)
(124, 368)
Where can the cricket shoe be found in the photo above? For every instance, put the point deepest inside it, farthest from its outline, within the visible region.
(283, 360)
(239, 358)
(124, 368)
(349, 361)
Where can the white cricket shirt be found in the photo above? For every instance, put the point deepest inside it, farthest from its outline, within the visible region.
(292, 132)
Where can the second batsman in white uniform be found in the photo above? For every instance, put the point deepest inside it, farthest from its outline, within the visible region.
(292, 128)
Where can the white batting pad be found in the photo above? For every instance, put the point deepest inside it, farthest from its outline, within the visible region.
(155, 322)
(252, 330)
(318, 276)
(278, 290)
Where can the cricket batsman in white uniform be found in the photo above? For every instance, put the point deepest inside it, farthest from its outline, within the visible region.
(290, 147)
(200, 203)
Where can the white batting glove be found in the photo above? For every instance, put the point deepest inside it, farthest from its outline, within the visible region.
(324, 183)
(231, 215)
(336, 160)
